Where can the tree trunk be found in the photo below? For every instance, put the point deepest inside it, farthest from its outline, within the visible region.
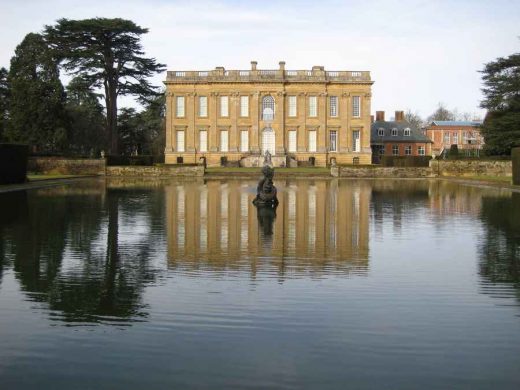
(113, 137)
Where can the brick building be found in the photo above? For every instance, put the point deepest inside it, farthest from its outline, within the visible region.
(464, 134)
(397, 138)
(299, 116)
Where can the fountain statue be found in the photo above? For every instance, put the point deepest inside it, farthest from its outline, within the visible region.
(266, 191)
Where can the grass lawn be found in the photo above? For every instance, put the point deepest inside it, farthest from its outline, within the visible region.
(497, 179)
(319, 170)
(32, 177)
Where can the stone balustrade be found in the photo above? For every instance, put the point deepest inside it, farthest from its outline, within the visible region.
(221, 75)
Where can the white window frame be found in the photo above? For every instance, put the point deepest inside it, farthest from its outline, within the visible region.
(268, 108)
(356, 106)
(333, 140)
(180, 141)
(313, 141)
(203, 106)
(356, 141)
(292, 140)
(244, 140)
(446, 138)
(333, 106)
(381, 132)
(395, 150)
(313, 106)
(224, 106)
(292, 106)
(421, 151)
(407, 132)
(224, 141)
(203, 140)
(244, 106)
(180, 106)
(455, 137)
(394, 132)
(408, 150)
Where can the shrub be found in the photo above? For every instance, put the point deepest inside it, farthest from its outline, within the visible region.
(515, 157)
(454, 152)
(13, 163)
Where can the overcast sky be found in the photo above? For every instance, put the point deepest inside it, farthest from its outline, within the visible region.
(419, 52)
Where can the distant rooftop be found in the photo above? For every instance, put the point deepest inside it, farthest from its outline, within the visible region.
(457, 123)
(316, 74)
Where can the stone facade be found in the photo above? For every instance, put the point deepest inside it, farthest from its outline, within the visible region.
(156, 171)
(305, 115)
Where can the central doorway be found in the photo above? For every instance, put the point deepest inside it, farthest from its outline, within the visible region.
(268, 140)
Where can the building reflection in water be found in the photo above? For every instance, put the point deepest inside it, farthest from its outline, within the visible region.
(318, 225)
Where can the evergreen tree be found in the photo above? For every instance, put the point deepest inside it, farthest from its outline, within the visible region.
(107, 53)
(87, 130)
(36, 110)
(4, 101)
(501, 90)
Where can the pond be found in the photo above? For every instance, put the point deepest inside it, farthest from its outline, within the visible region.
(364, 284)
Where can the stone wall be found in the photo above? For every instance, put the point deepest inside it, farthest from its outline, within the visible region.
(383, 172)
(471, 168)
(157, 171)
(66, 166)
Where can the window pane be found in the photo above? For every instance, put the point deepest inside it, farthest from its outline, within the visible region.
(203, 144)
(312, 141)
(244, 141)
(180, 141)
(180, 106)
(356, 106)
(292, 141)
(244, 105)
(292, 106)
(203, 106)
(313, 106)
(356, 141)
(223, 140)
(224, 109)
(333, 141)
(333, 106)
(268, 108)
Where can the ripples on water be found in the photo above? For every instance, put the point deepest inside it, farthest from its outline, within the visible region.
(361, 284)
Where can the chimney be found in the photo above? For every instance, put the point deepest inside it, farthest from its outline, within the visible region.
(399, 116)
(371, 118)
(282, 65)
(380, 116)
(253, 65)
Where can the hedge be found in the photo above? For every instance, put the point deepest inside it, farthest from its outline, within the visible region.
(13, 163)
(144, 160)
(405, 161)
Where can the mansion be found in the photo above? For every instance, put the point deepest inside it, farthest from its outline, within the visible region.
(302, 117)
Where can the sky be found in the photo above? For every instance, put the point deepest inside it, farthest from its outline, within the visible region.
(419, 53)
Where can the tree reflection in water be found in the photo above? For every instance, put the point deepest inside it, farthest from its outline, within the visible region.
(65, 250)
(500, 249)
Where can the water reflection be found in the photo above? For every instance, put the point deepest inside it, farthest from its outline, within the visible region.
(64, 244)
(323, 224)
(499, 251)
(88, 251)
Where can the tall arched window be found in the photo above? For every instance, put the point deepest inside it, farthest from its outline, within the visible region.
(268, 108)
